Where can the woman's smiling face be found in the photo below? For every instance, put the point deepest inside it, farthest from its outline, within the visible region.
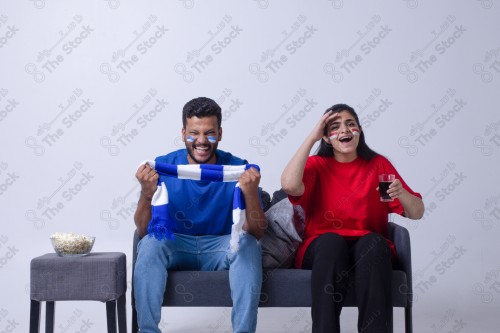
(343, 134)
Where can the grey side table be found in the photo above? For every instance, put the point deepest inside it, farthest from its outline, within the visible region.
(99, 276)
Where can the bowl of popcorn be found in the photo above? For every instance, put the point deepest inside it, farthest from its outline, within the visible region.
(71, 244)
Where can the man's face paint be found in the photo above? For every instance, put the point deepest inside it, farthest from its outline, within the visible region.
(211, 139)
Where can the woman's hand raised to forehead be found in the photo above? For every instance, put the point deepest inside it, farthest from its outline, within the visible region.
(318, 130)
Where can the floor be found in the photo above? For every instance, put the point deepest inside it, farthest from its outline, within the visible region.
(464, 318)
(271, 320)
(445, 315)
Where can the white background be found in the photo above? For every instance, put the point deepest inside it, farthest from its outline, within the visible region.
(80, 80)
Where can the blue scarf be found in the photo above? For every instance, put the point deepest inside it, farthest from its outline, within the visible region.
(162, 224)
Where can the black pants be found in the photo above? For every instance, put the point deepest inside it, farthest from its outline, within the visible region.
(333, 260)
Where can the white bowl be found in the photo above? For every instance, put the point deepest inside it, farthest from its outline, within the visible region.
(71, 244)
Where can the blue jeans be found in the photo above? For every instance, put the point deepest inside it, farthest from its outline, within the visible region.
(200, 253)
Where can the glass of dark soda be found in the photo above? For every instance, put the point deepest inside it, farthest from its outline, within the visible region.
(384, 180)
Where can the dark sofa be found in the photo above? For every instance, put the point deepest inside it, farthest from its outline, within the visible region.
(282, 287)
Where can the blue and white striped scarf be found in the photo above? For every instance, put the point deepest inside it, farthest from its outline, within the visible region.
(162, 224)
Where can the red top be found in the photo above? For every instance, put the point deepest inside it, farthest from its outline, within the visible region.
(342, 198)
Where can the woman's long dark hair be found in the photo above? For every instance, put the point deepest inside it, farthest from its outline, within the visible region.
(325, 149)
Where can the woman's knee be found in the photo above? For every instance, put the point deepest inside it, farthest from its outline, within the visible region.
(373, 244)
(330, 243)
(328, 248)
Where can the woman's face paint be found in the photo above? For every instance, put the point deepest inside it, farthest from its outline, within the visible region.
(333, 135)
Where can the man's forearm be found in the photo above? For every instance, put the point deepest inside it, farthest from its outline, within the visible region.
(142, 215)
(256, 220)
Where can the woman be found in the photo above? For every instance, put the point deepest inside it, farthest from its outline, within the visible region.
(346, 223)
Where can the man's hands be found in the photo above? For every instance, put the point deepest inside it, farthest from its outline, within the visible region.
(249, 181)
(256, 220)
(249, 185)
(148, 178)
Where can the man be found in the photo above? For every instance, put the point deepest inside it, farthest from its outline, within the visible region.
(202, 212)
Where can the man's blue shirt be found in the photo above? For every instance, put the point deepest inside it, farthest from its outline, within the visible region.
(200, 207)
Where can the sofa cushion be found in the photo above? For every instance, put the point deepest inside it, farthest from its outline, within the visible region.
(280, 288)
(285, 224)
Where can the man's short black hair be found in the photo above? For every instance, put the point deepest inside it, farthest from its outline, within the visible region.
(201, 107)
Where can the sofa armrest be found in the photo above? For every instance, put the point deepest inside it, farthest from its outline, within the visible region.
(136, 240)
(400, 236)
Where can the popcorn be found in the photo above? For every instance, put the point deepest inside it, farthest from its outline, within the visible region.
(71, 243)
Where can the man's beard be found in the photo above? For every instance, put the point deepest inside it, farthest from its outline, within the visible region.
(190, 149)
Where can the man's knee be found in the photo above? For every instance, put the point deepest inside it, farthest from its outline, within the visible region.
(146, 243)
(150, 251)
(249, 252)
(249, 243)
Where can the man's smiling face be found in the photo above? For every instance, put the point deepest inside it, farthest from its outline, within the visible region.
(201, 136)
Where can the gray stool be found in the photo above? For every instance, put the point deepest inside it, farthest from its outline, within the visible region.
(95, 277)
